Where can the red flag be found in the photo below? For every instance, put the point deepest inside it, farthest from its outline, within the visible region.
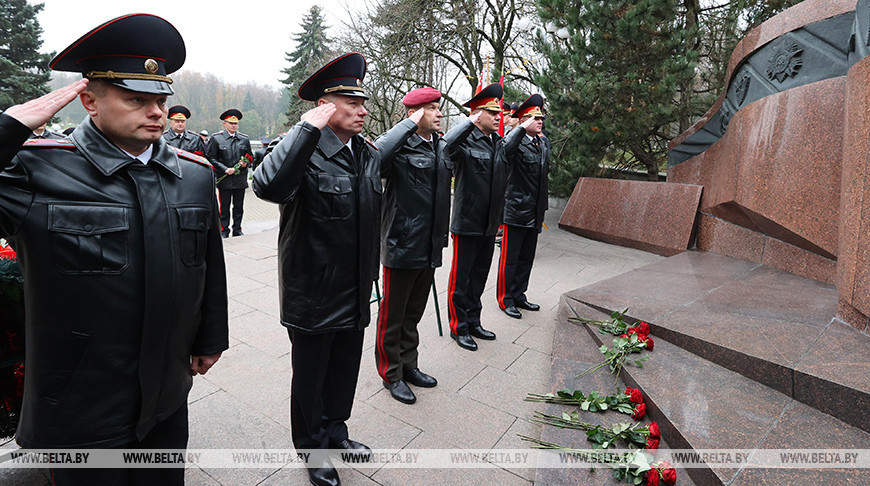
(479, 84)
(501, 108)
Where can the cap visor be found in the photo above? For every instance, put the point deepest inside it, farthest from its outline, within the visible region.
(143, 86)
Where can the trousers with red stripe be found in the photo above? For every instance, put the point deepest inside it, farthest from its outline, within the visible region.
(472, 257)
(406, 291)
(515, 264)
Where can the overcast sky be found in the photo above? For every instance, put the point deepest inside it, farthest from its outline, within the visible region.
(238, 42)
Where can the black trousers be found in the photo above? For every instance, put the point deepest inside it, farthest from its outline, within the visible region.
(171, 433)
(515, 264)
(406, 292)
(236, 197)
(325, 372)
(472, 257)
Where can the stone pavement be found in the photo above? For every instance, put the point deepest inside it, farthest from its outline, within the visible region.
(478, 403)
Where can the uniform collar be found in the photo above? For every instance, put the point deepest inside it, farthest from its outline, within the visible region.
(329, 142)
(108, 158)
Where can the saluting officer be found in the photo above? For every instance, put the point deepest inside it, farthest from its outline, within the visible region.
(526, 202)
(416, 164)
(179, 136)
(327, 180)
(481, 171)
(230, 152)
(123, 265)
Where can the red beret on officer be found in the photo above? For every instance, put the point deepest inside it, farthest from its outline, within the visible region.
(421, 96)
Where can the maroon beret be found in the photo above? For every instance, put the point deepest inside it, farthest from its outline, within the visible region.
(421, 96)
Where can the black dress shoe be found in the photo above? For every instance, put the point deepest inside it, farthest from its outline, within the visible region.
(360, 450)
(225, 234)
(513, 312)
(480, 332)
(464, 341)
(323, 473)
(418, 378)
(400, 391)
(528, 306)
(238, 233)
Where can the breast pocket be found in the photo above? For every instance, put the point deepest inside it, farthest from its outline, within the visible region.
(334, 197)
(193, 224)
(88, 240)
(480, 161)
(420, 171)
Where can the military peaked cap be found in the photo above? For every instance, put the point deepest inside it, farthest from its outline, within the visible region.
(179, 112)
(487, 99)
(231, 115)
(531, 107)
(135, 52)
(342, 75)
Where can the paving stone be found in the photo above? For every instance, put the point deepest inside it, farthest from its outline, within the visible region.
(261, 331)
(262, 300)
(504, 391)
(259, 381)
(202, 387)
(486, 474)
(222, 421)
(457, 419)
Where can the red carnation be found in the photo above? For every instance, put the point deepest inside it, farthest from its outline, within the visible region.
(248, 156)
(634, 394)
(624, 336)
(652, 477)
(644, 327)
(652, 444)
(649, 343)
(639, 411)
(654, 430)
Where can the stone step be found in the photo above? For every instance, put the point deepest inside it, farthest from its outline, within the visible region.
(770, 326)
(702, 405)
(574, 352)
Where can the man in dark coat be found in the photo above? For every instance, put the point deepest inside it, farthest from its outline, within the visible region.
(327, 180)
(116, 234)
(41, 132)
(230, 153)
(526, 202)
(179, 136)
(416, 214)
(481, 171)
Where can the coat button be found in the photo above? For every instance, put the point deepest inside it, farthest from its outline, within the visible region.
(337, 188)
(201, 225)
(88, 227)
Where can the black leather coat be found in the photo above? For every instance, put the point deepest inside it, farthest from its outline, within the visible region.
(330, 205)
(481, 166)
(526, 196)
(118, 297)
(188, 140)
(416, 212)
(223, 152)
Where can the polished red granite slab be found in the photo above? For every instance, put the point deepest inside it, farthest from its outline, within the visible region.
(651, 216)
(853, 275)
(746, 356)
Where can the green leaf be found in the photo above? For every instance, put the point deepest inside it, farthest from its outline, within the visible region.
(585, 405)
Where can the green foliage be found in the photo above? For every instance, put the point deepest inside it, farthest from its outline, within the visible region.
(312, 52)
(612, 84)
(24, 71)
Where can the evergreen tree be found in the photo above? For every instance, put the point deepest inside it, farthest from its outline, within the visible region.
(611, 77)
(312, 52)
(24, 72)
